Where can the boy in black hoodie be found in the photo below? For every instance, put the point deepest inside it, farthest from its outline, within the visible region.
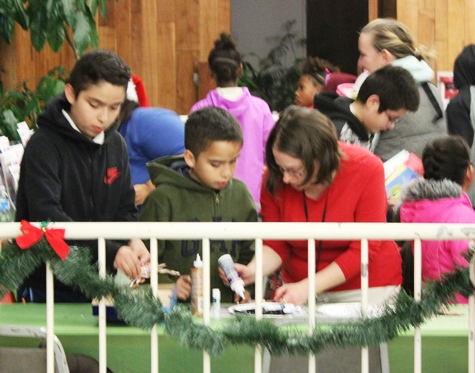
(75, 168)
(385, 96)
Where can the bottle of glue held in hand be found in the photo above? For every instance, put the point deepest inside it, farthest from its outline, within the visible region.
(235, 281)
(197, 287)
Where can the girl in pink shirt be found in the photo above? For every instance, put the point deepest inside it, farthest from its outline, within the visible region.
(441, 198)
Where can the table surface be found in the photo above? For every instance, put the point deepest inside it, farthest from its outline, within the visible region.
(129, 347)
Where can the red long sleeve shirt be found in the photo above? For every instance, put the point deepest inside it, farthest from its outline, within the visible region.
(357, 194)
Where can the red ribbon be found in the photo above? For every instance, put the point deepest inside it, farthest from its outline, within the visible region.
(33, 235)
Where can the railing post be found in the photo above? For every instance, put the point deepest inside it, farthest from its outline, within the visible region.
(154, 352)
(417, 297)
(102, 308)
(206, 297)
(312, 364)
(258, 301)
(364, 299)
(49, 319)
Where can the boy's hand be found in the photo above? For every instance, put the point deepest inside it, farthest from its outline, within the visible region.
(140, 249)
(130, 257)
(183, 287)
(128, 261)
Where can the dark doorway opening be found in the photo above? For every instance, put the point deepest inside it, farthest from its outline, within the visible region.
(332, 31)
(333, 27)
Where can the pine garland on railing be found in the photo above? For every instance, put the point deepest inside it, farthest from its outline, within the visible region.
(141, 309)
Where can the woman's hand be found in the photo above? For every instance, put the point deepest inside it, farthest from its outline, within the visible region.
(294, 293)
(247, 274)
(247, 297)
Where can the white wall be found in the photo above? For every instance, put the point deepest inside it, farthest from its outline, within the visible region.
(255, 23)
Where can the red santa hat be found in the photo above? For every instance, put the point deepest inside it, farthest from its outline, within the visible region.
(136, 91)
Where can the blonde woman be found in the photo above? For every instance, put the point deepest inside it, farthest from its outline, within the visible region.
(387, 41)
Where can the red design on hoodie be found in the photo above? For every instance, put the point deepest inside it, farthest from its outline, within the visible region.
(112, 174)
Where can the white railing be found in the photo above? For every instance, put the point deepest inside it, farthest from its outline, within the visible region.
(257, 232)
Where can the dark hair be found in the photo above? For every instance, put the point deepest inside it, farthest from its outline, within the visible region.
(308, 135)
(446, 157)
(317, 69)
(210, 124)
(97, 66)
(126, 110)
(224, 60)
(395, 87)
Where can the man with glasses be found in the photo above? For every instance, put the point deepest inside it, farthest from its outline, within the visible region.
(384, 97)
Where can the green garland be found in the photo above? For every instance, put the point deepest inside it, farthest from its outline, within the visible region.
(141, 309)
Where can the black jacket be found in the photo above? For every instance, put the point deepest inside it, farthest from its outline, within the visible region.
(337, 108)
(66, 177)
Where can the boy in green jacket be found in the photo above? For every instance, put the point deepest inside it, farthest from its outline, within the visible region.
(199, 187)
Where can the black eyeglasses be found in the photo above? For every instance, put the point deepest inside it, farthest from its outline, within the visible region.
(291, 172)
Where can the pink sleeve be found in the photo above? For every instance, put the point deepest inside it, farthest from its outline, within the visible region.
(459, 250)
(269, 123)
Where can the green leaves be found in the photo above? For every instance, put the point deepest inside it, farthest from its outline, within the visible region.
(81, 31)
(52, 84)
(25, 104)
(7, 21)
(19, 14)
(49, 20)
(39, 23)
(52, 22)
(9, 128)
(274, 80)
(143, 310)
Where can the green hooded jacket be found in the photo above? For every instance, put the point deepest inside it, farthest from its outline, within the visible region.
(178, 198)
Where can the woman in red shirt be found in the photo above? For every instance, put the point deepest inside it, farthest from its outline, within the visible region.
(312, 177)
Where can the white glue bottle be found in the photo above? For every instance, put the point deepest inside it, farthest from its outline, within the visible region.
(235, 281)
(197, 287)
(216, 306)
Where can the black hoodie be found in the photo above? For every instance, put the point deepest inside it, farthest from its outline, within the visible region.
(67, 177)
(459, 108)
(337, 108)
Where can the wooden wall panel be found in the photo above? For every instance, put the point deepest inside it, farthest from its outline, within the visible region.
(224, 12)
(166, 72)
(446, 25)
(137, 30)
(163, 42)
(186, 94)
(8, 60)
(441, 33)
(188, 29)
(468, 20)
(209, 27)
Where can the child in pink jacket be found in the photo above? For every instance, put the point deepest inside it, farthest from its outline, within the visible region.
(252, 113)
(441, 198)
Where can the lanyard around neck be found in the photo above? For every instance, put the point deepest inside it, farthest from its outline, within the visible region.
(305, 208)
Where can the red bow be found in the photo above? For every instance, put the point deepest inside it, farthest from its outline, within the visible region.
(33, 235)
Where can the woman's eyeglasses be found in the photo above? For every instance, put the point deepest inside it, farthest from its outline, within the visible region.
(291, 172)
